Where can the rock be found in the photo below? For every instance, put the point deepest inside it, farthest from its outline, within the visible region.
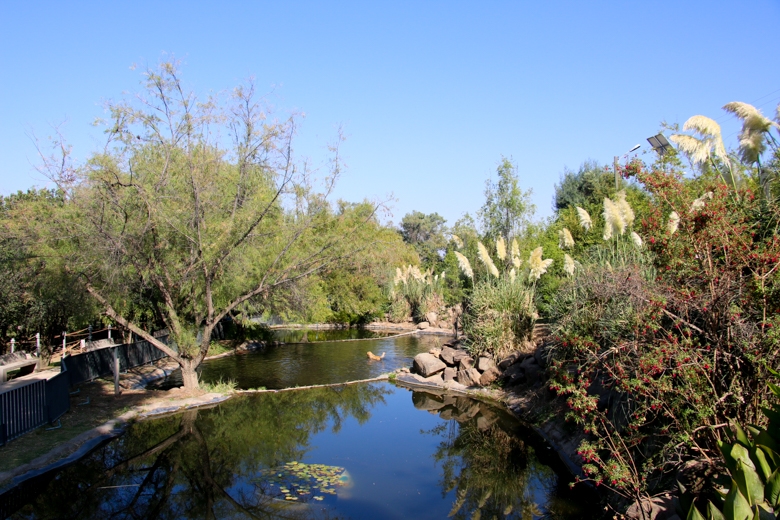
(423, 325)
(454, 385)
(448, 355)
(510, 360)
(433, 319)
(466, 362)
(468, 377)
(484, 363)
(531, 369)
(450, 373)
(427, 364)
(540, 357)
(453, 355)
(435, 379)
(490, 375)
(514, 375)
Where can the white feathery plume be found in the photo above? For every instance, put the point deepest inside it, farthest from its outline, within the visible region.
(636, 239)
(613, 220)
(485, 257)
(512, 275)
(501, 248)
(754, 124)
(537, 266)
(464, 265)
(565, 240)
(699, 150)
(399, 276)
(698, 204)
(516, 261)
(626, 213)
(568, 264)
(458, 241)
(515, 248)
(674, 221)
(585, 220)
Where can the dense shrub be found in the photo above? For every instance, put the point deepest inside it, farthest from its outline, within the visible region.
(678, 338)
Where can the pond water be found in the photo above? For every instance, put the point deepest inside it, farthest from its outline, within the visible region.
(319, 361)
(368, 450)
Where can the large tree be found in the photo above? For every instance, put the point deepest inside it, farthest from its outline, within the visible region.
(198, 206)
(507, 209)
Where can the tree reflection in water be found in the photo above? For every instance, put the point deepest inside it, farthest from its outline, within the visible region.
(201, 464)
(484, 458)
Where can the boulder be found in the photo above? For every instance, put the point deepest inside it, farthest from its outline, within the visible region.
(432, 318)
(423, 325)
(468, 377)
(514, 375)
(489, 375)
(531, 368)
(427, 364)
(466, 362)
(453, 355)
(484, 363)
(450, 373)
(510, 360)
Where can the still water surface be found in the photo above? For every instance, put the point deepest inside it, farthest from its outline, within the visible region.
(317, 362)
(369, 450)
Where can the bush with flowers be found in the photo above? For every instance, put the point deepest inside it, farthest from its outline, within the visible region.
(665, 333)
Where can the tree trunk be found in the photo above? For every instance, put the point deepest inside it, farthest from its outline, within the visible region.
(188, 374)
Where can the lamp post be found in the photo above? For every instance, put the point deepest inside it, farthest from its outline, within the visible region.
(617, 177)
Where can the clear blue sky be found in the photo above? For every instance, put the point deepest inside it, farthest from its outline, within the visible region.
(431, 94)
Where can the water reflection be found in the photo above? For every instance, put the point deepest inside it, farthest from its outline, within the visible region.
(490, 461)
(352, 451)
(312, 363)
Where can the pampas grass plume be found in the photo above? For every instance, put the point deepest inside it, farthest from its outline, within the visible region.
(464, 265)
(636, 239)
(674, 221)
(485, 257)
(565, 240)
(585, 220)
(568, 264)
(501, 248)
(537, 266)
(458, 241)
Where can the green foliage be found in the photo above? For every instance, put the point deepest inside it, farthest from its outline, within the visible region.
(415, 293)
(36, 294)
(221, 386)
(169, 213)
(426, 233)
(507, 209)
(500, 316)
(676, 337)
(753, 461)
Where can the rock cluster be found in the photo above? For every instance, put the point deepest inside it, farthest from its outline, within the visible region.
(451, 363)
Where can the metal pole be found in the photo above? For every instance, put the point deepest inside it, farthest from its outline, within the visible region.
(64, 339)
(13, 345)
(109, 331)
(90, 333)
(38, 344)
(617, 178)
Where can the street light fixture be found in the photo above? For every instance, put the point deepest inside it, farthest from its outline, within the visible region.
(659, 143)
